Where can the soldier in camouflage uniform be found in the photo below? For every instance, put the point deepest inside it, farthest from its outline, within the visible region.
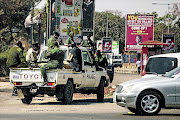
(56, 58)
(101, 60)
(16, 58)
(52, 39)
(88, 42)
(70, 40)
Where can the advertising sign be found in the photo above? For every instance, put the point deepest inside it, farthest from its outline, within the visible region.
(88, 10)
(68, 17)
(169, 39)
(139, 28)
(106, 45)
(115, 47)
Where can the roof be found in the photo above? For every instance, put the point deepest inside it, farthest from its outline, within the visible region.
(152, 42)
(175, 55)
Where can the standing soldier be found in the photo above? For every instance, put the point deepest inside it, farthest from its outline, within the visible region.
(70, 40)
(31, 56)
(101, 60)
(56, 58)
(16, 58)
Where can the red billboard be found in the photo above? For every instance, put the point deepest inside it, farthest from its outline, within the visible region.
(139, 28)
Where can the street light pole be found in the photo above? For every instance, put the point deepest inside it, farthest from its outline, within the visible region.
(107, 26)
(168, 11)
(168, 18)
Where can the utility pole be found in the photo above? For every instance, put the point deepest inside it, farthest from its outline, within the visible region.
(32, 29)
(168, 11)
(107, 26)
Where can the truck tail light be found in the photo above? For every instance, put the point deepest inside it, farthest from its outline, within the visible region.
(51, 83)
(17, 83)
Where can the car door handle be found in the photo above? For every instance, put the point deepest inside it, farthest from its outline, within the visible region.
(92, 71)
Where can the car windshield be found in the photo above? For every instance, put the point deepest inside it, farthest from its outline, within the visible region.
(161, 65)
(173, 72)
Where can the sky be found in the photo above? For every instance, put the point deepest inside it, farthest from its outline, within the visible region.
(132, 6)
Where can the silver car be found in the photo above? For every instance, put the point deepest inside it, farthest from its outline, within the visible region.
(147, 96)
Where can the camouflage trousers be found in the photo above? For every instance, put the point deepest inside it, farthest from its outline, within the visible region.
(49, 65)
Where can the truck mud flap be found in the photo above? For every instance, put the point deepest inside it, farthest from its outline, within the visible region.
(20, 94)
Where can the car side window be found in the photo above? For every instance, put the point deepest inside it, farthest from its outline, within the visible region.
(86, 58)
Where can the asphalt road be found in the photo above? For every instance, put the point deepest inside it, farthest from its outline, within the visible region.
(84, 108)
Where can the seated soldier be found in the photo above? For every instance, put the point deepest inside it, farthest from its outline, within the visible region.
(31, 56)
(101, 60)
(56, 58)
(75, 58)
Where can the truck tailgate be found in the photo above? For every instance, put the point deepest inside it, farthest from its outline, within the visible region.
(25, 76)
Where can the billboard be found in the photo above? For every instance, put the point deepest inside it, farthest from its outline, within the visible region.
(169, 39)
(68, 17)
(106, 45)
(115, 47)
(88, 10)
(139, 28)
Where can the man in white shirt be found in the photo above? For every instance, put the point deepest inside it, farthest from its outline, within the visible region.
(138, 63)
(31, 56)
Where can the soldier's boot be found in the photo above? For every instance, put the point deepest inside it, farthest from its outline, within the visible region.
(14, 92)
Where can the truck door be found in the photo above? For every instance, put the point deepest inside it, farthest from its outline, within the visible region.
(89, 70)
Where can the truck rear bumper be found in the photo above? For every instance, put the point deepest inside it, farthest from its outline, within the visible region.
(35, 90)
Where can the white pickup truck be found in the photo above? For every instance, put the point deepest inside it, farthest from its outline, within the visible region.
(61, 82)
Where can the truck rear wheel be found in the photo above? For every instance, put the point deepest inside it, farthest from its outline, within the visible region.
(68, 93)
(27, 100)
(100, 91)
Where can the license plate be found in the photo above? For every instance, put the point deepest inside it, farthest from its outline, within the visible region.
(15, 76)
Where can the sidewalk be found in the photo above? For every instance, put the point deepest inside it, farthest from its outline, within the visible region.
(4, 79)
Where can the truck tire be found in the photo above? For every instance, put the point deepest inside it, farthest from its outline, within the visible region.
(100, 91)
(27, 100)
(68, 93)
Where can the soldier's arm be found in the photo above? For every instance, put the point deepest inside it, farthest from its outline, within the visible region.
(28, 56)
(22, 58)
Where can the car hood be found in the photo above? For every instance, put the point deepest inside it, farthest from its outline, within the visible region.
(149, 80)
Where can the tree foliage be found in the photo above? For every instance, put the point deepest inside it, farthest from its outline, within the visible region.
(116, 26)
(12, 16)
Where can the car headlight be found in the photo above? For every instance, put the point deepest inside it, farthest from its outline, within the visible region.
(127, 89)
(119, 88)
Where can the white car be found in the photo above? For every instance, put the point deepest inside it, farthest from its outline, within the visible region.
(148, 95)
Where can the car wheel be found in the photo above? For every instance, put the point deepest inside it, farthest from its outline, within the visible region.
(133, 110)
(100, 91)
(148, 103)
(27, 100)
(68, 93)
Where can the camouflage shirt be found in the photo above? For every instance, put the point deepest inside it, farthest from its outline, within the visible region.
(15, 57)
(57, 56)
